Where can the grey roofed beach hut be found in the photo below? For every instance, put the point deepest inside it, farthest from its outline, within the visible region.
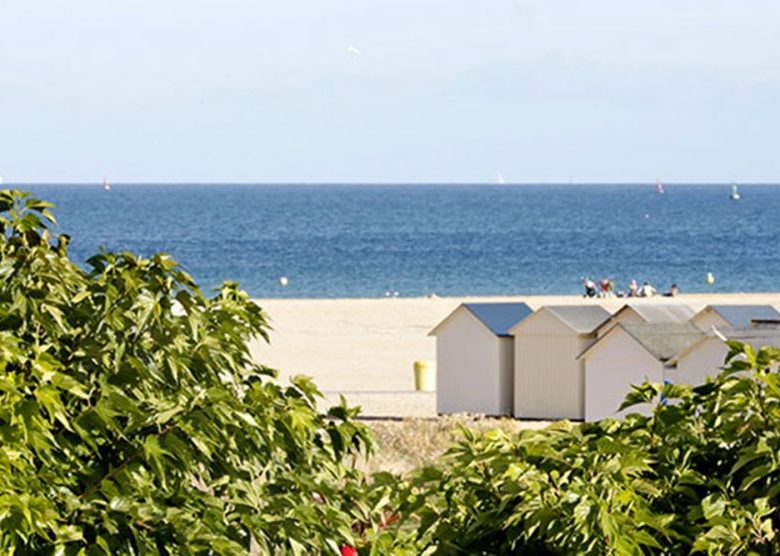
(474, 358)
(549, 379)
(648, 312)
(707, 356)
(626, 355)
(734, 316)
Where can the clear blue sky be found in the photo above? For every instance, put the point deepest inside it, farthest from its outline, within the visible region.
(389, 90)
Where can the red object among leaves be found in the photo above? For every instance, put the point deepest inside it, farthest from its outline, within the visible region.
(347, 550)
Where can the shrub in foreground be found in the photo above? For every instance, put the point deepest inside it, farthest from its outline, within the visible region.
(700, 474)
(133, 421)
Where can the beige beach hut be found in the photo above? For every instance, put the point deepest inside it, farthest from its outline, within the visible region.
(626, 355)
(733, 316)
(647, 312)
(474, 358)
(549, 379)
(706, 357)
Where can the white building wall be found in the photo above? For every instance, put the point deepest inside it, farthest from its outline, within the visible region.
(611, 368)
(706, 359)
(549, 380)
(468, 368)
(506, 378)
(705, 320)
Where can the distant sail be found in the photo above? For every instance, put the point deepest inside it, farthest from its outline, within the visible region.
(500, 179)
(106, 184)
(735, 196)
(659, 188)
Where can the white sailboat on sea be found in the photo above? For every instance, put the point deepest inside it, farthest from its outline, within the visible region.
(500, 179)
(106, 185)
(735, 196)
(659, 188)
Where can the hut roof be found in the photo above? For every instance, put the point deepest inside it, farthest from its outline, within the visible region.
(756, 337)
(662, 340)
(497, 317)
(739, 316)
(660, 312)
(583, 319)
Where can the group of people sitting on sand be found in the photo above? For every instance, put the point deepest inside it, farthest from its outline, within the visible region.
(606, 288)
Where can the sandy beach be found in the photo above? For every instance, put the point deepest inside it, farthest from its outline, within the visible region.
(365, 348)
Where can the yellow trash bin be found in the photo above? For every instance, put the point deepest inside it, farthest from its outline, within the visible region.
(424, 376)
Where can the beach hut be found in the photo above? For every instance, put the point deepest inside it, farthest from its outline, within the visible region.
(733, 316)
(549, 379)
(626, 355)
(474, 358)
(706, 356)
(647, 312)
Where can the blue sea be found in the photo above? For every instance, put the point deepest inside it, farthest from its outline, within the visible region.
(372, 240)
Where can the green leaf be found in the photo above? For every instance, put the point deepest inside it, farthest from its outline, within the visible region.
(713, 506)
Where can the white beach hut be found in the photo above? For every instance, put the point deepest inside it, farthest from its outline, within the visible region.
(474, 358)
(648, 312)
(549, 379)
(626, 355)
(705, 357)
(733, 316)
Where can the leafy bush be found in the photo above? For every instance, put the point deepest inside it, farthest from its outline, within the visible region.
(133, 421)
(701, 474)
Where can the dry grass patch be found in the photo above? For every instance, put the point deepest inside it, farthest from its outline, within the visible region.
(401, 446)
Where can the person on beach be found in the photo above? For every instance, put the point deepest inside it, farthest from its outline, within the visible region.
(633, 289)
(673, 291)
(590, 288)
(647, 290)
(607, 288)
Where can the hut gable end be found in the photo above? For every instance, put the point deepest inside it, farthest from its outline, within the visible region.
(541, 322)
(581, 319)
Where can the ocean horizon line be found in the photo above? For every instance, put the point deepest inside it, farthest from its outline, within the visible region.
(8, 184)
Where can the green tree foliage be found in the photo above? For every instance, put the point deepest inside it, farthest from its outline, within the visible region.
(133, 421)
(700, 474)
